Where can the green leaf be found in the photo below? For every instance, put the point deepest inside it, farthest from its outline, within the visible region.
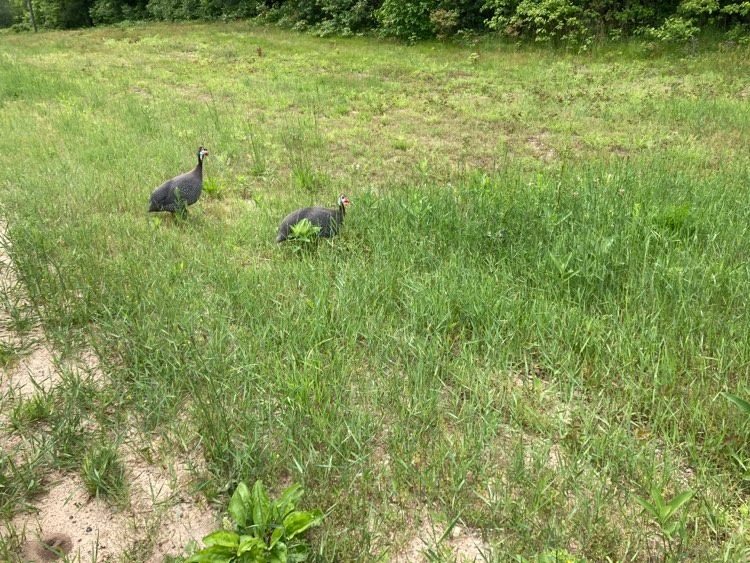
(648, 507)
(658, 499)
(276, 536)
(298, 522)
(297, 553)
(213, 554)
(741, 404)
(287, 501)
(670, 530)
(675, 504)
(278, 553)
(240, 505)
(224, 538)
(261, 507)
(251, 545)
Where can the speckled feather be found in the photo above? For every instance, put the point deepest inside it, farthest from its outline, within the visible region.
(189, 186)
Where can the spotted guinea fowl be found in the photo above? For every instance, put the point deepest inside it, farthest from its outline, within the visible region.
(177, 193)
(329, 220)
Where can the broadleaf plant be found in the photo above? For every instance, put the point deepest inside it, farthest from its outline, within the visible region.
(740, 403)
(264, 530)
(304, 231)
(664, 513)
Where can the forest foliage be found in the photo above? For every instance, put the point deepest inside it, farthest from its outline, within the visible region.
(577, 22)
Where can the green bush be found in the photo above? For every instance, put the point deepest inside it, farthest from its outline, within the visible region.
(21, 27)
(63, 14)
(545, 20)
(6, 14)
(105, 12)
(347, 16)
(444, 22)
(675, 29)
(406, 19)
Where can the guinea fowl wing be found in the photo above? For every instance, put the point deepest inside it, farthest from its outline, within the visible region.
(288, 222)
(163, 196)
(325, 219)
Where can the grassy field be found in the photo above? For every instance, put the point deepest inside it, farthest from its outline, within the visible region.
(539, 295)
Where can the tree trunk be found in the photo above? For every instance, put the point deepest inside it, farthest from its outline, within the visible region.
(31, 14)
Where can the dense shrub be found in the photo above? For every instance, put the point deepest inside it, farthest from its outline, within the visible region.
(408, 19)
(544, 20)
(63, 14)
(112, 11)
(6, 14)
(574, 22)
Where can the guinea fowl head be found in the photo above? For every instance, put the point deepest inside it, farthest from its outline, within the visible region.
(201, 153)
(344, 201)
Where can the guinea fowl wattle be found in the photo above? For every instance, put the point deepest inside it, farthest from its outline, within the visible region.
(177, 193)
(328, 220)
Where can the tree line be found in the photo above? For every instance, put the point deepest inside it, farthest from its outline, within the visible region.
(557, 21)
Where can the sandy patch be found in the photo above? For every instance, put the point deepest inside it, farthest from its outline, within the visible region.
(158, 494)
(160, 520)
(540, 147)
(39, 371)
(33, 372)
(462, 545)
(186, 521)
(37, 368)
(67, 514)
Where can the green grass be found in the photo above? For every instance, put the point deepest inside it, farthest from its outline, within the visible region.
(539, 293)
(103, 473)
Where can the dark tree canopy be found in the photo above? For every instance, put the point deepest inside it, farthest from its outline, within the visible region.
(557, 21)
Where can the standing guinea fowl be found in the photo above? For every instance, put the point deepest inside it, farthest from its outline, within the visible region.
(329, 220)
(177, 193)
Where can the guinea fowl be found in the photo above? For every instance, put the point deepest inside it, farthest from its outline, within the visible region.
(177, 193)
(329, 220)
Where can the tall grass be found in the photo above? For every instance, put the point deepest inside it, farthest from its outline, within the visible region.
(523, 348)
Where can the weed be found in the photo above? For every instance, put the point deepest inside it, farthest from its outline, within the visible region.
(261, 529)
(214, 188)
(258, 163)
(306, 178)
(303, 234)
(665, 514)
(400, 144)
(739, 402)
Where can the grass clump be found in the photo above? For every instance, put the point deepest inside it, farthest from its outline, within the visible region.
(103, 472)
(36, 409)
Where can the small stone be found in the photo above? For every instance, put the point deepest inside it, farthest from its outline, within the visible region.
(88, 529)
(456, 532)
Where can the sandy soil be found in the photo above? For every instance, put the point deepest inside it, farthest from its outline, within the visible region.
(159, 519)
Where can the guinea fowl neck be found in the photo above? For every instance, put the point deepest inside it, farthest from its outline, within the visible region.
(341, 211)
(199, 168)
